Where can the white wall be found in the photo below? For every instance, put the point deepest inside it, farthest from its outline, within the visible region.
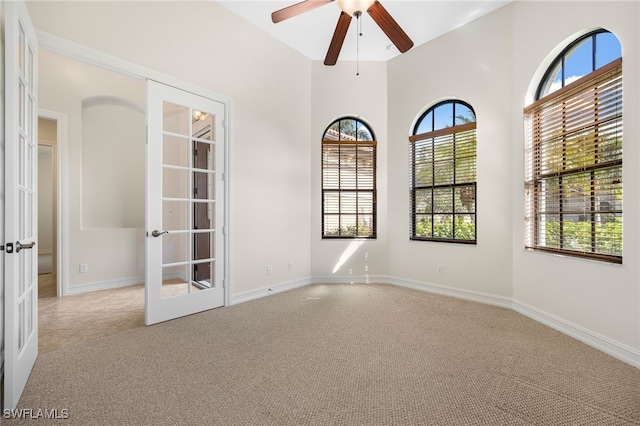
(269, 84)
(602, 298)
(336, 92)
(112, 255)
(473, 64)
(113, 158)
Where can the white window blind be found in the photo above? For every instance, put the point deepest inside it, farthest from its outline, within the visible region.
(349, 189)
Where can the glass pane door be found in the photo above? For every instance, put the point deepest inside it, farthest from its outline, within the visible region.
(186, 164)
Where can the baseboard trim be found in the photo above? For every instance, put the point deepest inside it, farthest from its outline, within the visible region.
(604, 344)
(471, 295)
(104, 285)
(247, 296)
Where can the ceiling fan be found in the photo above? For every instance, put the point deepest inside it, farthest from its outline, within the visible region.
(349, 9)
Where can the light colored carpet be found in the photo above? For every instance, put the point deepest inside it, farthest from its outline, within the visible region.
(338, 355)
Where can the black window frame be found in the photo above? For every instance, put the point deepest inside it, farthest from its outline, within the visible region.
(463, 191)
(563, 55)
(349, 148)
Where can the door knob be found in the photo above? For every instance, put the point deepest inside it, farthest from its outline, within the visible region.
(157, 233)
(24, 246)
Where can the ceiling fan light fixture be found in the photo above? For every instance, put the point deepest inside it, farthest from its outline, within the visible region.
(198, 115)
(350, 7)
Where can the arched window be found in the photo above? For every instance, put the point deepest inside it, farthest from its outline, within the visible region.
(348, 180)
(443, 174)
(574, 152)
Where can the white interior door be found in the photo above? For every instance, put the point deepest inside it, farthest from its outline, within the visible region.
(185, 204)
(20, 220)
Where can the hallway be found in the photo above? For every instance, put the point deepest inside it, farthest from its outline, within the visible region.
(68, 320)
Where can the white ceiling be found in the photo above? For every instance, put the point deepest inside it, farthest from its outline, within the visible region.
(311, 32)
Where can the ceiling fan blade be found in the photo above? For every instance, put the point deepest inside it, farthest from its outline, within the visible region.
(296, 9)
(338, 38)
(390, 27)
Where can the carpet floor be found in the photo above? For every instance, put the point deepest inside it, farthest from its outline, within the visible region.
(336, 355)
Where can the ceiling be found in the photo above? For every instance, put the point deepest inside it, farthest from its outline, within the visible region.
(311, 32)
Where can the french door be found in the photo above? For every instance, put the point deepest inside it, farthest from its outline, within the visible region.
(185, 204)
(20, 213)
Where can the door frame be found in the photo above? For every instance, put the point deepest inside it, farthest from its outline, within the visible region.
(62, 215)
(95, 57)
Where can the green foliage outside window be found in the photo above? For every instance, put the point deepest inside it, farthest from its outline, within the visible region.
(446, 226)
(352, 128)
(578, 236)
(361, 230)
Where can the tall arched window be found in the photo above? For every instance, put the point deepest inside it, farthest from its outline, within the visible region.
(348, 180)
(574, 152)
(443, 174)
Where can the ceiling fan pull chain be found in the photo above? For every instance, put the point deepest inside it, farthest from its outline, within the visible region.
(358, 35)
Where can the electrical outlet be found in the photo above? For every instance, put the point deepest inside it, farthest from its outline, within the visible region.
(290, 266)
(269, 270)
(84, 268)
(440, 269)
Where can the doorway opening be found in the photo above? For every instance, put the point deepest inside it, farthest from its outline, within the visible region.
(47, 207)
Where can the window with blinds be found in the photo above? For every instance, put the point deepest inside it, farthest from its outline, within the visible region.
(348, 180)
(442, 161)
(574, 160)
